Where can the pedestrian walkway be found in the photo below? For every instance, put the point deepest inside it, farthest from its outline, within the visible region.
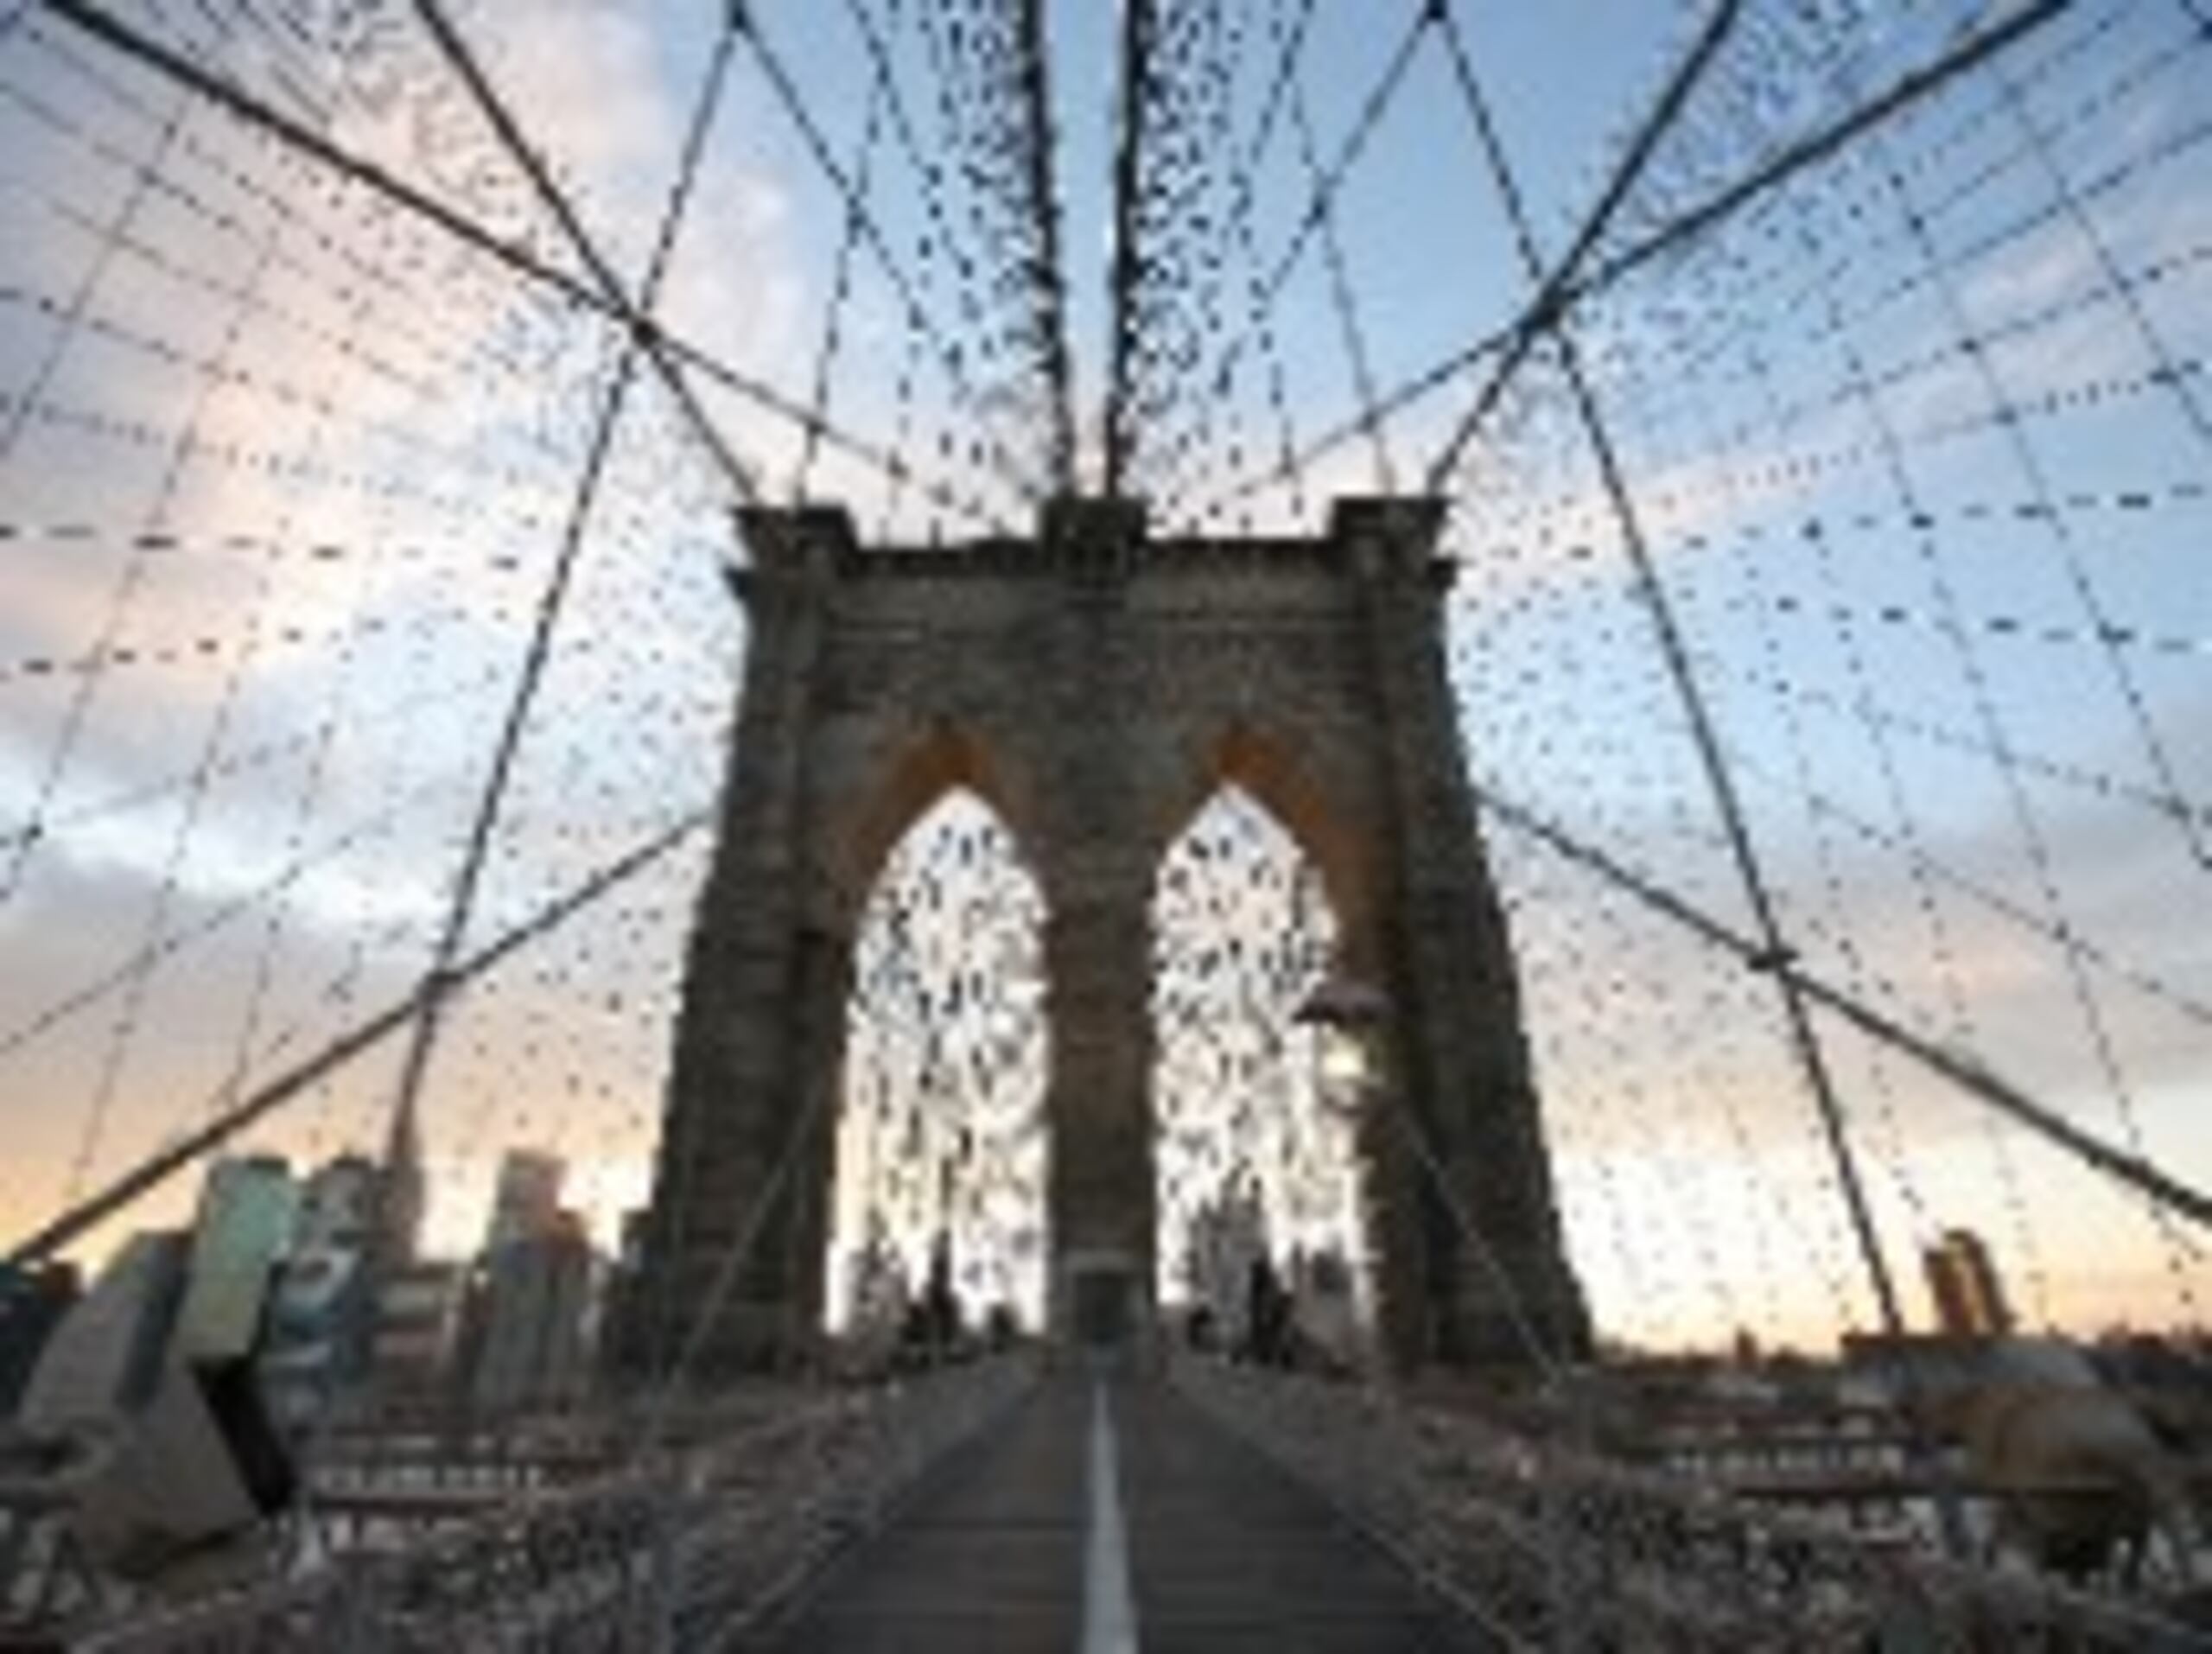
(1002, 1555)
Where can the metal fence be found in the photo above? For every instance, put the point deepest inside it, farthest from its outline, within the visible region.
(685, 1548)
(1550, 1547)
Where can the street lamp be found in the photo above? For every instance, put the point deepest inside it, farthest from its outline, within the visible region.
(1354, 1013)
(1344, 1004)
(1348, 1015)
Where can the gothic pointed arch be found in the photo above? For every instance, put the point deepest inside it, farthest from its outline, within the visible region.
(1096, 685)
(1258, 1158)
(1292, 780)
(939, 1163)
(907, 770)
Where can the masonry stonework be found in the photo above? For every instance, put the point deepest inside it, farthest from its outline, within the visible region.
(1095, 687)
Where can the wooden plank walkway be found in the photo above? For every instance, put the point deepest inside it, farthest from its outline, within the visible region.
(1223, 1551)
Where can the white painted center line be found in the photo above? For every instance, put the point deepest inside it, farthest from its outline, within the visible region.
(1109, 1614)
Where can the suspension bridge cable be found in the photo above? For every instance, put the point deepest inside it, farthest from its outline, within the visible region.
(1980, 48)
(1165, 278)
(1857, 963)
(1803, 1038)
(841, 271)
(159, 949)
(1048, 286)
(104, 26)
(746, 21)
(1139, 25)
(639, 314)
(2086, 589)
(993, 132)
(1505, 345)
(1543, 308)
(476, 851)
(1967, 1073)
(1992, 900)
(667, 350)
(1353, 336)
(1513, 338)
(2028, 821)
(268, 1097)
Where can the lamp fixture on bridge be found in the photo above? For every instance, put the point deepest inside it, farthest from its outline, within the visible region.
(1345, 1002)
(1350, 1013)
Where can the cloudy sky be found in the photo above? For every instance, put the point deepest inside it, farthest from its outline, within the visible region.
(1919, 445)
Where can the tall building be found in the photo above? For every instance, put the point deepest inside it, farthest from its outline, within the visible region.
(33, 1303)
(103, 1359)
(319, 1326)
(418, 1328)
(1970, 1299)
(243, 1232)
(533, 1334)
(321, 1320)
(400, 1191)
(338, 1206)
(526, 1200)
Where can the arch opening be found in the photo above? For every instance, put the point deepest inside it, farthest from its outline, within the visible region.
(1255, 1142)
(940, 1152)
(913, 775)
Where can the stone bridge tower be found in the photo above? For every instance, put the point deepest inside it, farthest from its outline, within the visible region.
(1095, 686)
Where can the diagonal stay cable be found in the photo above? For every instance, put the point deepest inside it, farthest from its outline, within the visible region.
(366, 1035)
(538, 656)
(465, 64)
(104, 26)
(1986, 894)
(1667, 635)
(777, 73)
(246, 761)
(1543, 308)
(168, 944)
(1513, 337)
(1961, 1068)
(831, 343)
(1568, 286)
(1907, 90)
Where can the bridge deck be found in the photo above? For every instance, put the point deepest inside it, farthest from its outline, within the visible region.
(1224, 1551)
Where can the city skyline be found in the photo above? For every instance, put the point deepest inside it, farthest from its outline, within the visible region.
(1693, 1179)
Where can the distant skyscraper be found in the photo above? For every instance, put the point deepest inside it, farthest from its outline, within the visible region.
(104, 1359)
(243, 1232)
(1969, 1298)
(533, 1318)
(321, 1316)
(418, 1326)
(526, 1201)
(338, 1207)
(319, 1326)
(400, 1193)
(33, 1303)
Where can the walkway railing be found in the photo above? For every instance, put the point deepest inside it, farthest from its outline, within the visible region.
(1551, 1547)
(684, 1549)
